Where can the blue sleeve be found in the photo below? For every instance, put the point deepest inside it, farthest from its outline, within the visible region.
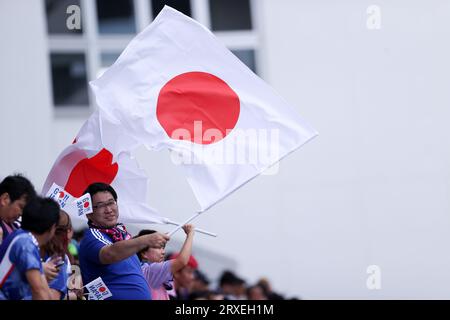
(60, 282)
(91, 245)
(25, 256)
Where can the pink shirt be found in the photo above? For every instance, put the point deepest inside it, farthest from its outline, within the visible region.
(156, 274)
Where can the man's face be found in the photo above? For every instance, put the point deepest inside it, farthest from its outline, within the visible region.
(11, 210)
(105, 213)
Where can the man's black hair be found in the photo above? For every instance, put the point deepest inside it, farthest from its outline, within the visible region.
(228, 277)
(17, 186)
(100, 187)
(40, 214)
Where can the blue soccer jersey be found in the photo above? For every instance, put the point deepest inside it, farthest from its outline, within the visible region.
(124, 278)
(18, 254)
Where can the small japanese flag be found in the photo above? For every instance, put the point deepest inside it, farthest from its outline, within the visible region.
(98, 290)
(61, 196)
(83, 204)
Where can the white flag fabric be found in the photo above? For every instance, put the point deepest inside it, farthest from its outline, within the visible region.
(177, 87)
(89, 159)
(98, 290)
(73, 206)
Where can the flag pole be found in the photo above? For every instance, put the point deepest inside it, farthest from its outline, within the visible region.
(181, 225)
(168, 221)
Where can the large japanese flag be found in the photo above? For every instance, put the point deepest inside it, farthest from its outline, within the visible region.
(177, 87)
(94, 158)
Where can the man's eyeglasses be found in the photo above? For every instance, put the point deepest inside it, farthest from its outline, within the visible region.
(102, 206)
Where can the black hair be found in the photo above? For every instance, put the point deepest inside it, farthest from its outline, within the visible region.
(17, 186)
(100, 187)
(140, 234)
(40, 214)
(228, 277)
(201, 277)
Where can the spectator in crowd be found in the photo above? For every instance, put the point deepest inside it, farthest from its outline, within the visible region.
(267, 288)
(183, 279)
(159, 273)
(57, 255)
(15, 192)
(200, 287)
(231, 286)
(256, 292)
(201, 282)
(21, 272)
(107, 250)
(241, 290)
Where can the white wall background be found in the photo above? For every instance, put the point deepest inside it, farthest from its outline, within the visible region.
(373, 188)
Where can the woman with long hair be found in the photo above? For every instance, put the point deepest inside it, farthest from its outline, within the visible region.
(57, 257)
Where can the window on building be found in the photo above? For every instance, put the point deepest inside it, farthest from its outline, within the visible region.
(107, 59)
(183, 6)
(69, 79)
(247, 57)
(57, 16)
(78, 56)
(228, 15)
(116, 17)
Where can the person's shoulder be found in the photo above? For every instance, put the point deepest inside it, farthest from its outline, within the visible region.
(17, 232)
(23, 238)
(23, 245)
(9, 242)
(94, 235)
(157, 266)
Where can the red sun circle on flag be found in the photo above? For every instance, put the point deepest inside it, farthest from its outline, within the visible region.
(99, 168)
(86, 204)
(197, 102)
(61, 194)
(102, 289)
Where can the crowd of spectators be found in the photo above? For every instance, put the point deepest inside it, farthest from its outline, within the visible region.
(42, 257)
